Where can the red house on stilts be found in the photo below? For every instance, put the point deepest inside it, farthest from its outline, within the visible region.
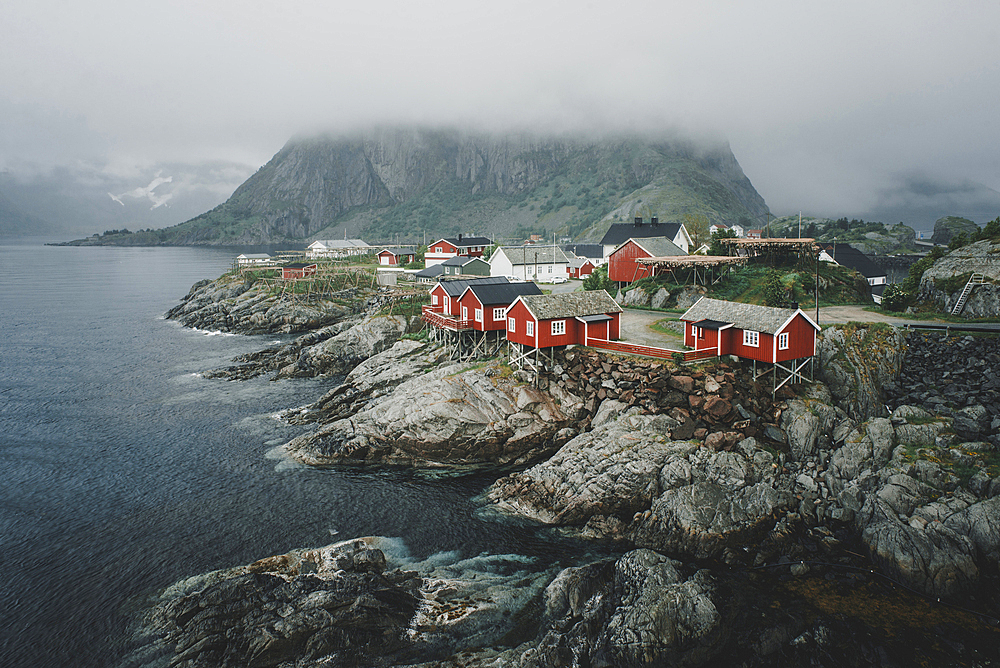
(542, 322)
(774, 336)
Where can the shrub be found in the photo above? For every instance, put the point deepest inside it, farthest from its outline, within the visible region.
(895, 298)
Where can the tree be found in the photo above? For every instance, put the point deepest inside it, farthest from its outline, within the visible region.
(717, 248)
(598, 280)
(697, 226)
(957, 241)
(894, 298)
(774, 290)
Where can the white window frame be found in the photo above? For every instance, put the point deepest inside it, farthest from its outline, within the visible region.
(465, 313)
(511, 325)
(694, 330)
(434, 300)
(558, 327)
(751, 338)
(437, 249)
(499, 313)
(529, 328)
(479, 315)
(783, 341)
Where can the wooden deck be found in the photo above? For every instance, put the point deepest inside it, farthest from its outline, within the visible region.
(449, 322)
(651, 351)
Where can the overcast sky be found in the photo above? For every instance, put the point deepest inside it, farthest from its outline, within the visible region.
(830, 107)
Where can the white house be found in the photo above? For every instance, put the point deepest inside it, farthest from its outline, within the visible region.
(529, 263)
(619, 233)
(337, 248)
(253, 260)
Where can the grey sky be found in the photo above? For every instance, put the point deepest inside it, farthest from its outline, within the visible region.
(830, 107)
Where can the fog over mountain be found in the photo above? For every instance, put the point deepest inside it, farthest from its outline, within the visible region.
(830, 108)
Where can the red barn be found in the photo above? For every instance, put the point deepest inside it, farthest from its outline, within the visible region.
(393, 257)
(761, 333)
(486, 304)
(545, 321)
(297, 270)
(622, 265)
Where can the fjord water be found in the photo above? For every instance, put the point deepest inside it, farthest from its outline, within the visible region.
(124, 471)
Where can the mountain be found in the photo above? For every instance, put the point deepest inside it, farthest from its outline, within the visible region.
(408, 183)
(85, 198)
(14, 222)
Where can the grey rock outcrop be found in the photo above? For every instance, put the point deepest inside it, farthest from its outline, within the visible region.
(451, 415)
(636, 297)
(856, 362)
(228, 304)
(980, 257)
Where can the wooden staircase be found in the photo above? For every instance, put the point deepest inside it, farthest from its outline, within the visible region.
(976, 279)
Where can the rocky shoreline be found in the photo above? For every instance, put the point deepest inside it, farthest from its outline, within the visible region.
(714, 495)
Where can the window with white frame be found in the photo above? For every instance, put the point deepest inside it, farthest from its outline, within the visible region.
(437, 249)
(694, 329)
(434, 300)
(529, 328)
(751, 338)
(783, 341)
(558, 327)
(511, 324)
(465, 313)
(498, 313)
(479, 315)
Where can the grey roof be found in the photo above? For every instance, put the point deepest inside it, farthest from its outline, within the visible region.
(254, 256)
(577, 262)
(571, 304)
(752, 317)
(528, 255)
(430, 272)
(457, 287)
(619, 233)
(399, 251)
(462, 260)
(466, 242)
(593, 251)
(659, 246)
(500, 293)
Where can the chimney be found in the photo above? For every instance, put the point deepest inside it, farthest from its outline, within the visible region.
(654, 221)
(638, 221)
(459, 236)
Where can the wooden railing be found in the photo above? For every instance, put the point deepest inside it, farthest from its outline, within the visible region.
(443, 321)
(650, 351)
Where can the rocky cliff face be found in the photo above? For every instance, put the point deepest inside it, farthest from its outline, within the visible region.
(943, 282)
(443, 179)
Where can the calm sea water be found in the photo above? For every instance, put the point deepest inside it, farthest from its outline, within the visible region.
(124, 471)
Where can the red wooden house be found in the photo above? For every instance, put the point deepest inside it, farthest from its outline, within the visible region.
(622, 265)
(485, 305)
(394, 257)
(546, 321)
(580, 267)
(442, 249)
(445, 295)
(297, 270)
(760, 333)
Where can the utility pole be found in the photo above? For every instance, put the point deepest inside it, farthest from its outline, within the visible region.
(817, 284)
(800, 224)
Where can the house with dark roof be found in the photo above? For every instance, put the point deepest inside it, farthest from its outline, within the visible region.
(429, 274)
(622, 265)
(463, 265)
(749, 331)
(547, 321)
(529, 263)
(394, 257)
(485, 304)
(848, 256)
(619, 233)
(442, 249)
(445, 295)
